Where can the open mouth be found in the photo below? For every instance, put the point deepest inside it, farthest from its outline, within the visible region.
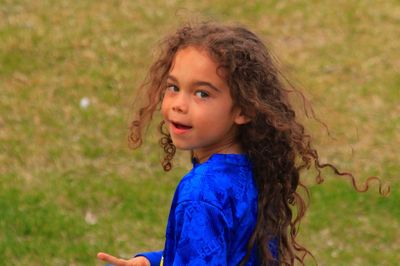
(181, 126)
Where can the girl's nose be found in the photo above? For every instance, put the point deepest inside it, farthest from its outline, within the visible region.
(180, 105)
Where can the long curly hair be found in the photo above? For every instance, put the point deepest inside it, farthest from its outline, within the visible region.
(274, 140)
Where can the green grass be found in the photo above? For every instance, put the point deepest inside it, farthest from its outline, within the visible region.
(70, 187)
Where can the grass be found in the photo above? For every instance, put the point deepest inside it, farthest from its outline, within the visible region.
(70, 187)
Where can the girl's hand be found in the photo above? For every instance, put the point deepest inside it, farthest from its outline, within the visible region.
(138, 261)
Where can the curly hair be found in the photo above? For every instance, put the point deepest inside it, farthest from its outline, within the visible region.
(276, 143)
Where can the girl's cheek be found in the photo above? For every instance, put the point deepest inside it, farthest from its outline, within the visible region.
(164, 107)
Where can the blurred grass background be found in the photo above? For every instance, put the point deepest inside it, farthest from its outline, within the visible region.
(70, 187)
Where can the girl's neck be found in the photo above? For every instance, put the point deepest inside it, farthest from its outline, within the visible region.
(229, 148)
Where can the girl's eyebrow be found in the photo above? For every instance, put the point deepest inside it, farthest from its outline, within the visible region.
(196, 83)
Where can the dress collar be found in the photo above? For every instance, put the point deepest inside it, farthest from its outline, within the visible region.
(219, 158)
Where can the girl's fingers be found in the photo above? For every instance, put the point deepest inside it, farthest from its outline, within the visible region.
(111, 259)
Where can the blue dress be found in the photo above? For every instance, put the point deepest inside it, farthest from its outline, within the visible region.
(213, 214)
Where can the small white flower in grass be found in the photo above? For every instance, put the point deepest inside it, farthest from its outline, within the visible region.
(90, 218)
(84, 103)
(334, 254)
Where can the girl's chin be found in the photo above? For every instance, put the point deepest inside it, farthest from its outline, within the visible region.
(183, 147)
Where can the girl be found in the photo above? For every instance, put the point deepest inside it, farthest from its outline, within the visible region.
(222, 98)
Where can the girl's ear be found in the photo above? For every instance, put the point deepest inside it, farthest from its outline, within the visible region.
(240, 118)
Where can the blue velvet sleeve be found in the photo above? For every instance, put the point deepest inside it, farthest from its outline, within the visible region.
(201, 235)
(154, 257)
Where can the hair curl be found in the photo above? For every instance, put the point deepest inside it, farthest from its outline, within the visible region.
(276, 143)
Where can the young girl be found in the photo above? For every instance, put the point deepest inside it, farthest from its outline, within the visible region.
(223, 98)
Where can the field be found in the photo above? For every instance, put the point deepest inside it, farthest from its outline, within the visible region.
(69, 184)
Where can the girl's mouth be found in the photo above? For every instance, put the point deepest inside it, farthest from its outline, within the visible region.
(179, 129)
(181, 126)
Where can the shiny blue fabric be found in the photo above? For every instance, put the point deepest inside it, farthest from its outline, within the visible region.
(212, 216)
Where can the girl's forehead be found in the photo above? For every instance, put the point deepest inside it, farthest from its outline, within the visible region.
(192, 58)
(193, 65)
(197, 60)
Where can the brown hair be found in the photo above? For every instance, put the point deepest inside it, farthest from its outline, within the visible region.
(276, 143)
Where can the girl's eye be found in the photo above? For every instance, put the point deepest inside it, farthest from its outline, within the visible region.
(201, 94)
(172, 88)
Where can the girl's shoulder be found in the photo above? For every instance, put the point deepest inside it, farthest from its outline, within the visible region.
(222, 180)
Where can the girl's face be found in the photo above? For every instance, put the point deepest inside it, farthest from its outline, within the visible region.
(197, 106)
